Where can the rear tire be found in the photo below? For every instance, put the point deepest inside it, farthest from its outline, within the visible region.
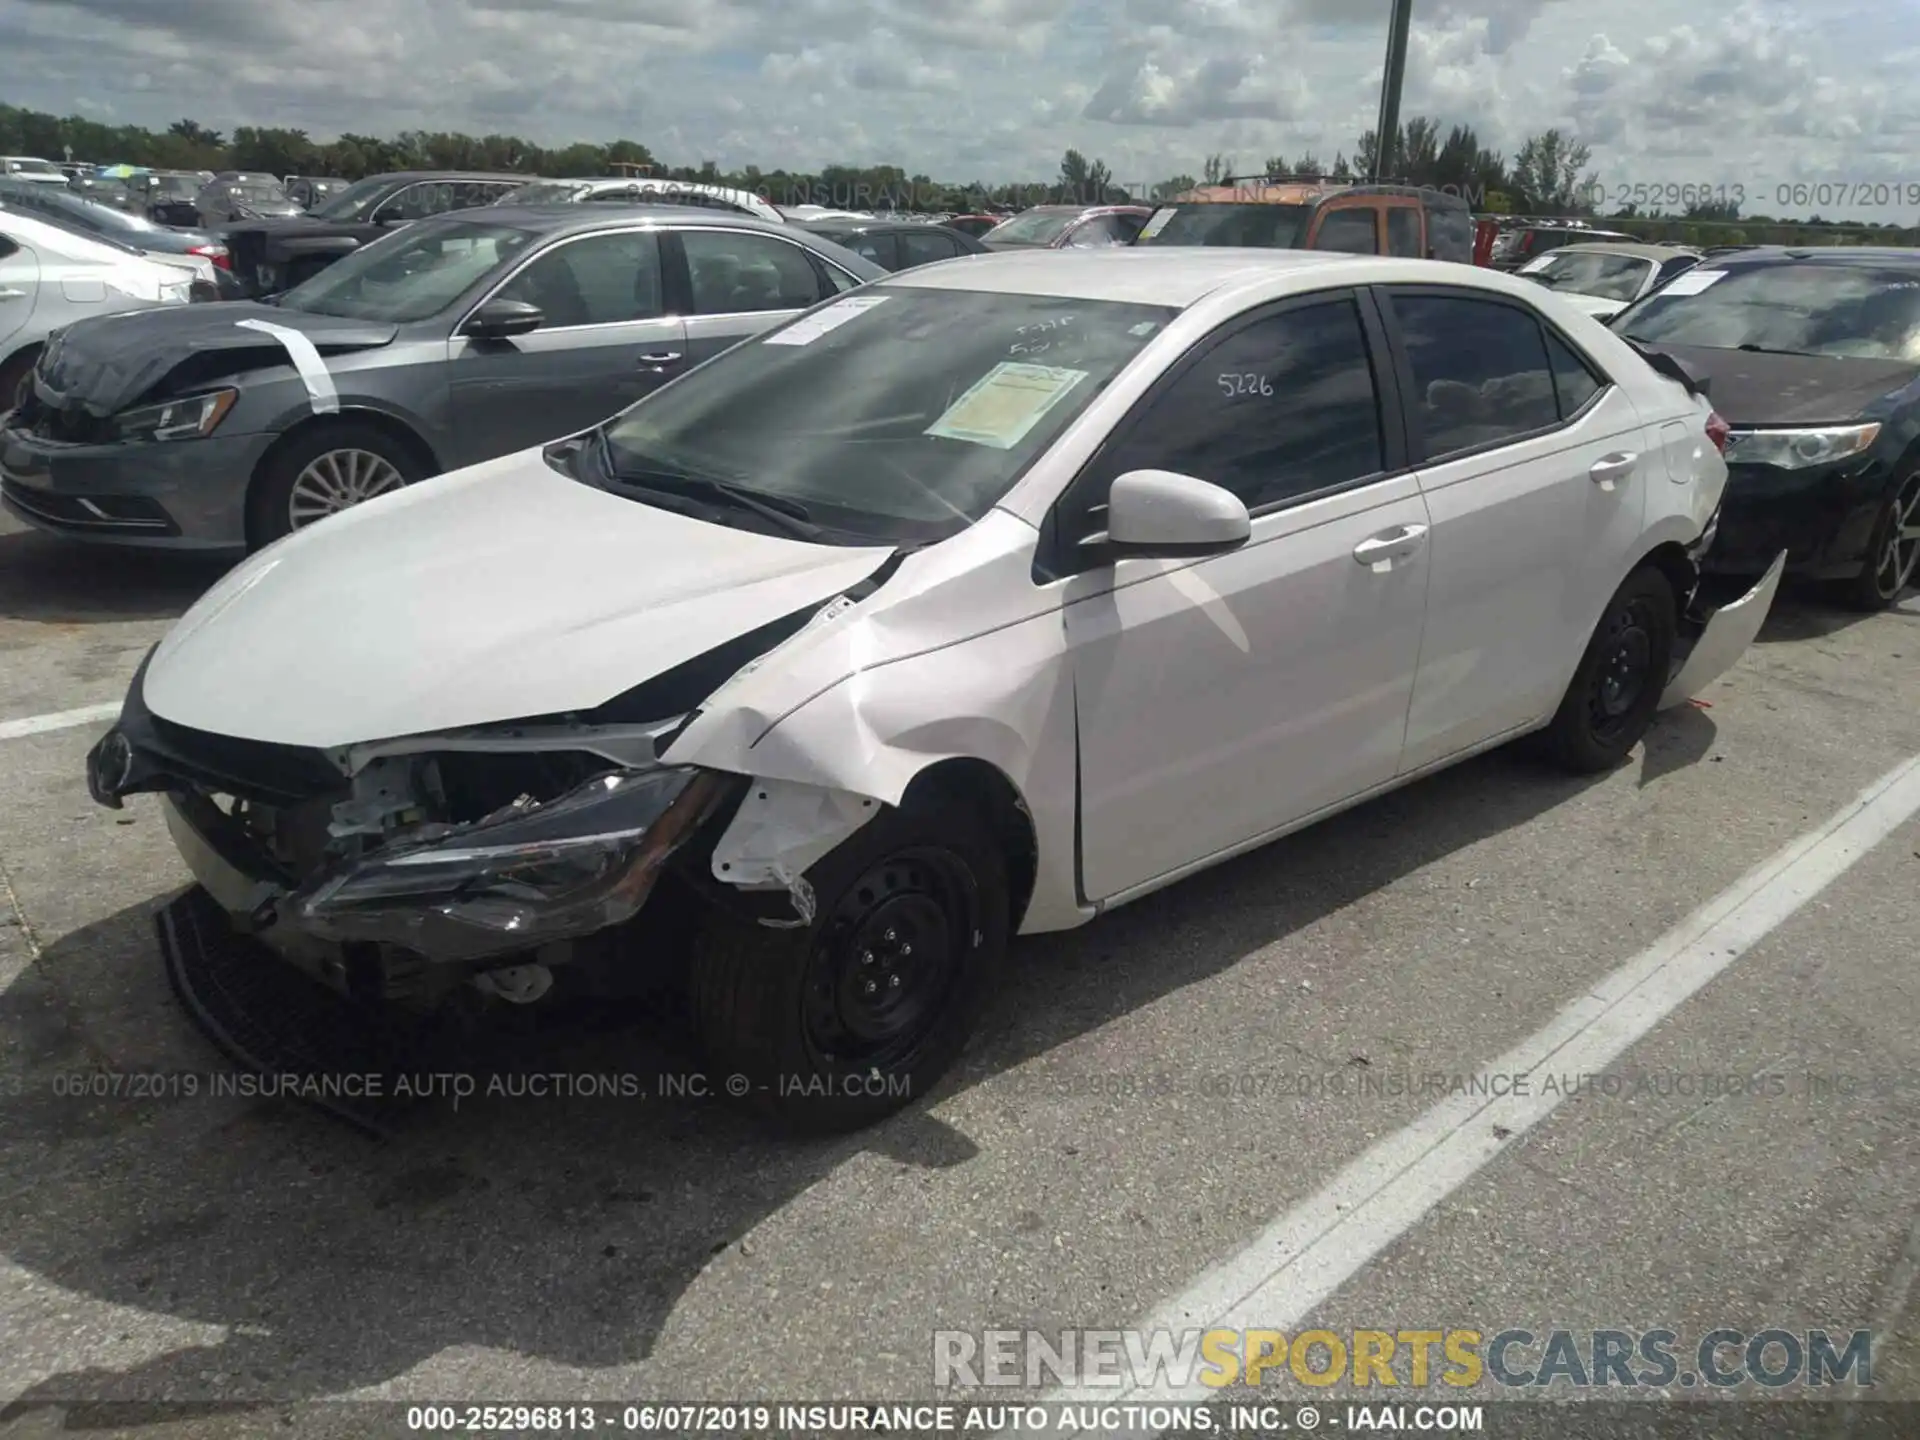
(348, 460)
(834, 1026)
(1893, 555)
(1615, 692)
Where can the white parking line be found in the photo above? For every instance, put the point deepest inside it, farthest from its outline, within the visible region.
(1306, 1254)
(58, 720)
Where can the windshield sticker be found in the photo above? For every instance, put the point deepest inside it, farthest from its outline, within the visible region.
(1001, 406)
(1540, 264)
(805, 332)
(1692, 282)
(1158, 223)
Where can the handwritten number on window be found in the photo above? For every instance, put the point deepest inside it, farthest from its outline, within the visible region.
(1234, 384)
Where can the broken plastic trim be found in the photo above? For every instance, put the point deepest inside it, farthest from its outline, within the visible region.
(525, 875)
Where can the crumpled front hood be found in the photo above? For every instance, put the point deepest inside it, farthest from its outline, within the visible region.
(501, 592)
(1750, 388)
(105, 363)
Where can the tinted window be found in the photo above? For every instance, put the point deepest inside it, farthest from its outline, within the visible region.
(601, 280)
(1480, 371)
(410, 275)
(1403, 232)
(738, 271)
(877, 248)
(1352, 232)
(1450, 233)
(1573, 382)
(924, 249)
(470, 193)
(1268, 227)
(1679, 265)
(1282, 407)
(417, 202)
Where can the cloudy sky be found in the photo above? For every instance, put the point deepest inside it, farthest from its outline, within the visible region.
(1743, 96)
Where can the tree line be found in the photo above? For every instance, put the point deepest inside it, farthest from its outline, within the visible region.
(1550, 174)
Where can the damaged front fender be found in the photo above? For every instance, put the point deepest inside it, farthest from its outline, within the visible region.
(781, 830)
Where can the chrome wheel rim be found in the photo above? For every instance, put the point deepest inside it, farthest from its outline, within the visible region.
(338, 480)
(1894, 566)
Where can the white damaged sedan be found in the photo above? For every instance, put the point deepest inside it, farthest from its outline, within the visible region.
(972, 603)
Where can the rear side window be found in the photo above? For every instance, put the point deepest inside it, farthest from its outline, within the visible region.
(1352, 232)
(1481, 374)
(7, 247)
(1574, 383)
(1282, 407)
(924, 249)
(1450, 233)
(1403, 232)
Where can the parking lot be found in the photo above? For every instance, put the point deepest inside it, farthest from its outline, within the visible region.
(1152, 1092)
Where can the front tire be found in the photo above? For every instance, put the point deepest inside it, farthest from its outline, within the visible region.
(330, 468)
(1615, 692)
(1893, 555)
(835, 1026)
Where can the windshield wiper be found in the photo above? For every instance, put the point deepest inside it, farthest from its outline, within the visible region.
(1753, 349)
(683, 482)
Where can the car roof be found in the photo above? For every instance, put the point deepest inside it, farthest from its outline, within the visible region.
(565, 219)
(1897, 255)
(1640, 250)
(1178, 276)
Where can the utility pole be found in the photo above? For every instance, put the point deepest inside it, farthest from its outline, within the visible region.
(1387, 131)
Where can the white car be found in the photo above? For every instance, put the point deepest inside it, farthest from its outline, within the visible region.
(32, 167)
(1603, 280)
(642, 190)
(51, 277)
(979, 601)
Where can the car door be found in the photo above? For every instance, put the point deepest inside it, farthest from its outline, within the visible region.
(19, 291)
(607, 340)
(740, 282)
(1533, 466)
(1222, 699)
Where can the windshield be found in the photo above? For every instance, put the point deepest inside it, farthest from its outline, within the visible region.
(1811, 309)
(173, 184)
(354, 201)
(255, 194)
(1036, 227)
(409, 275)
(897, 414)
(546, 192)
(32, 167)
(1266, 227)
(1607, 277)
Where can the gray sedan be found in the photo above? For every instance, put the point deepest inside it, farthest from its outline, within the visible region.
(224, 427)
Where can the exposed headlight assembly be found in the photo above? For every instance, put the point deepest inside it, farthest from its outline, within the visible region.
(1800, 449)
(187, 419)
(527, 874)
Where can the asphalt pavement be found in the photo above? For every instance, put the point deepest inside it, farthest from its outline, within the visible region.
(1151, 1095)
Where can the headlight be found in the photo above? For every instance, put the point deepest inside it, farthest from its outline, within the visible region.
(528, 874)
(187, 419)
(1800, 449)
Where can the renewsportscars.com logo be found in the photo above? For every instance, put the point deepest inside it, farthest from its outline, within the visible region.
(1163, 1361)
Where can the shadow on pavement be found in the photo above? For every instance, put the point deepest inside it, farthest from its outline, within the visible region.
(559, 1229)
(65, 582)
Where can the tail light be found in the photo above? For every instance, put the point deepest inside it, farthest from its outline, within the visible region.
(216, 253)
(1718, 431)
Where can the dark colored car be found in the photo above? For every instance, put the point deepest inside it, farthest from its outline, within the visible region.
(1813, 357)
(270, 256)
(68, 210)
(897, 244)
(102, 190)
(229, 199)
(169, 195)
(308, 191)
(456, 340)
(1062, 227)
(1417, 222)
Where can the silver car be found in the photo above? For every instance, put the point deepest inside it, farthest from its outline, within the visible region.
(450, 342)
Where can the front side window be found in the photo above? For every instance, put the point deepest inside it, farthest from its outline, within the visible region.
(409, 275)
(1403, 232)
(1480, 371)
(1349, 231)
(1282, 407)
(738, 271)
(597, 280)
(1808, 308)
(419, 202)
(896, 413)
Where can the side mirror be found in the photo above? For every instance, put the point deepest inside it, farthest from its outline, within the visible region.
(1161, 514)
(498, 319)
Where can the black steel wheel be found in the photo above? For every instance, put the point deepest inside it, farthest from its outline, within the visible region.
(1617, 688)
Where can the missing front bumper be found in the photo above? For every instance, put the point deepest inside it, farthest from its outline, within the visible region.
(1725, 638)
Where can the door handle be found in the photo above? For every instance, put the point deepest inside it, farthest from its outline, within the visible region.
(1379, 553)
(659, 357)
(1609, 470)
